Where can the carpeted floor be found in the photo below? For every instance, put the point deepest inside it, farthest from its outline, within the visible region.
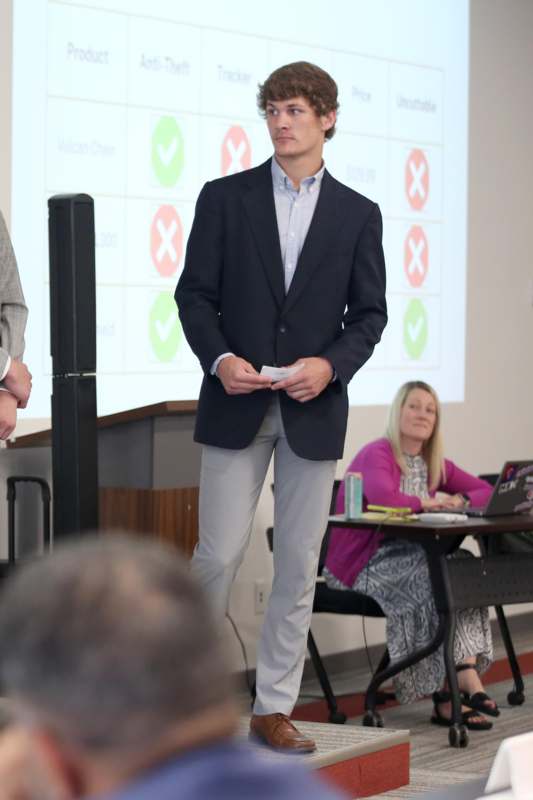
(423, 781)
(433, 763)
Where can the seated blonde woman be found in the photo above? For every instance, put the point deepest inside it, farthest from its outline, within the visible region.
(407, 468)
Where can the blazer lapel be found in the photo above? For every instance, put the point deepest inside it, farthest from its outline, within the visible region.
(327, 218)
(261, 211)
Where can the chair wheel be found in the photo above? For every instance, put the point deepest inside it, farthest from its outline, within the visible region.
(458, 736)
(337, 717)
(372, 719)
(515, 698)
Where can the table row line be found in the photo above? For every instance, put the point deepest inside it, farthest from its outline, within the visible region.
(138, 329)
(123, 58)
(102, 150)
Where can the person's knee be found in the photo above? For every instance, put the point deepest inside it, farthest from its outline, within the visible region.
(216, 561)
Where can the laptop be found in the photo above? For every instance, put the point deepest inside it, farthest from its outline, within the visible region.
(512, 493)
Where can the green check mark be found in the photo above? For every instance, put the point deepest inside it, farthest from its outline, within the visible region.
(164, 327)
(167, 151)
(415, 329)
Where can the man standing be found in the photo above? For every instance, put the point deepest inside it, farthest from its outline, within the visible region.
(15, 380)
(284, 267)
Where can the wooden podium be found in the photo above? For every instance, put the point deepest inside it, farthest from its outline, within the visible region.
(148, 470)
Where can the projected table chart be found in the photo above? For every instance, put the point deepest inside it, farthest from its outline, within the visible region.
(139, 104)
(489, 580)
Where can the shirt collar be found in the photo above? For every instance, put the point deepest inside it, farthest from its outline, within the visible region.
(282, 181)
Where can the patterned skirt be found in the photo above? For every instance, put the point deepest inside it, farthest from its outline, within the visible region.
(397, 577)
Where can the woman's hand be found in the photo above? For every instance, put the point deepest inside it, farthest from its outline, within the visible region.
(456, 501)
(433, 503)
(443, 500)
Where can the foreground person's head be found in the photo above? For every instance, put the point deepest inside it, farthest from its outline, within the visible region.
(111, 661)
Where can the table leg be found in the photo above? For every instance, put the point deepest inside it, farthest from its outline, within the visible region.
(516, 695)
(372, 718)
(457, 734)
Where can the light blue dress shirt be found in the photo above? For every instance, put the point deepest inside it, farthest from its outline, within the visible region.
(294, 212)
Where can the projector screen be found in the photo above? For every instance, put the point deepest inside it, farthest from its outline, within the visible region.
(139, 102)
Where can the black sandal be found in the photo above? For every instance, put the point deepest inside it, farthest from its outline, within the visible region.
(478, 700)
(466, 717)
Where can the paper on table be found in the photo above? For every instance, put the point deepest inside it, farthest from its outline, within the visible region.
(280, 373)
(441, 517)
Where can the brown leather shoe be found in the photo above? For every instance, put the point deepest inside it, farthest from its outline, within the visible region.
(277, 731)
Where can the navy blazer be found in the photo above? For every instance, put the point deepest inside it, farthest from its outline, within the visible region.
(231, 298)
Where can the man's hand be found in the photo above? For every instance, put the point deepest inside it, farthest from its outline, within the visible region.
(309, 381)
(8, 414)
(239, 376)
(18, 382)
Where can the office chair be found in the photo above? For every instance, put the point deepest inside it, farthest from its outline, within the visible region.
(335, 601)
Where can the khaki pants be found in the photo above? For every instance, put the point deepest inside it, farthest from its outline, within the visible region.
(230, 485)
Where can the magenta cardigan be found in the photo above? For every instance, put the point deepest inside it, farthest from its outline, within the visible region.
(350, 549)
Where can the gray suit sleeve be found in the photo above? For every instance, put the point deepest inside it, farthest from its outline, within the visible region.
(13, 311)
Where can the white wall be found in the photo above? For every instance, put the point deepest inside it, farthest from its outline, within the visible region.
(496, 420)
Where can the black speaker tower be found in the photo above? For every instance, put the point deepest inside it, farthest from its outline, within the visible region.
(73, 347)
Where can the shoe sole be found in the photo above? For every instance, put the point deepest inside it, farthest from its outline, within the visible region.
(290, 751)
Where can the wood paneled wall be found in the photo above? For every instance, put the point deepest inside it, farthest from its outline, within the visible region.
(167, 514)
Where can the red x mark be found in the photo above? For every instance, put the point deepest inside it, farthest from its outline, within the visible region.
(166, 241)
(416, 256)
(417, 179)
(236, 151)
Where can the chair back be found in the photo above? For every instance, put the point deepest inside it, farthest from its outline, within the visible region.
(335, 601)
(490, 477)
(325, 539)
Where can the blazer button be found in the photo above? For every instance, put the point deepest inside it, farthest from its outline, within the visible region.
(282, 329)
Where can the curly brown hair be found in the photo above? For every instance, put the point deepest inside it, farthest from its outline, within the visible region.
(301, 79)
